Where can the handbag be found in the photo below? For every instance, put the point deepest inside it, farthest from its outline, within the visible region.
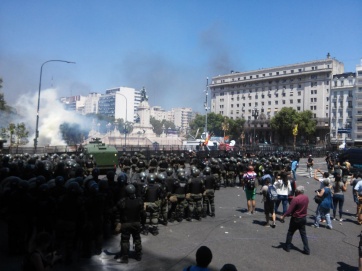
(318, 199)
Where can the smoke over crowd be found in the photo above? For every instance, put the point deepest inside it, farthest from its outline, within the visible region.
(51, 116)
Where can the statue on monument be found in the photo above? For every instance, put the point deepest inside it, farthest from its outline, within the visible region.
(144, 96)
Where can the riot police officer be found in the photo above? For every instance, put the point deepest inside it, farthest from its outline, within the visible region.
(152, 196)
(209, 194)
(195, 190)
(130, 213)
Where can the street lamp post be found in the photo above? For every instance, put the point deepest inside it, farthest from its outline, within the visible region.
(37, 112)
(206, 105)
(255, 114)
(125, 121)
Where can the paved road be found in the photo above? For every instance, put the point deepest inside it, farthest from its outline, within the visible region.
(235, 237)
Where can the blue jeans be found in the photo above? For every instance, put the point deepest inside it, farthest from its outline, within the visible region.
(294, 174)
(338, 199)
(322, 212)
(284, 200)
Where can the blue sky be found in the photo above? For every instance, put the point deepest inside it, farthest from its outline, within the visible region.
(170, 47)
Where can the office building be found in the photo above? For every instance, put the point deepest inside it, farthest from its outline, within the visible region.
(302, 86)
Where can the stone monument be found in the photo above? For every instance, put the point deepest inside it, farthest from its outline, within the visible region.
(144, 126)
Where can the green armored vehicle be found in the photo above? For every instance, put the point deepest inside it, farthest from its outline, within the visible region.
(105, 157)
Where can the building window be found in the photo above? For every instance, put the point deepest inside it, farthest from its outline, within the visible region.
(291, 101)
(291, 71)
(276, 102)
(269, 102)
(277, 73)
(283, 102)
(298, 108)
(299, 101)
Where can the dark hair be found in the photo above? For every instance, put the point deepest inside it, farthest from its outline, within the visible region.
(203, 256)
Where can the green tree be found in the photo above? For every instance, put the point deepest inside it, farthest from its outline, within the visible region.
(285, 120)
(306, 124)
(157, 125)
(236, 127)
(17, 134)
(214, 124)
(283, 123)
(72, 133)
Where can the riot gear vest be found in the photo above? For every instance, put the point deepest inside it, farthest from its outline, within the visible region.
(209, 182)
(130, 210)
(152, 193)
(180, 188)
(196, 185)
(169, 183)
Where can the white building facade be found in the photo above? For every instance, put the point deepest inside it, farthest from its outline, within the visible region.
(120, 103)
(302, 86)
(342, 93)
(91, 103)
(357, 108)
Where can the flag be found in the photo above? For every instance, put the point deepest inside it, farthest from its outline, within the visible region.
(295, 130)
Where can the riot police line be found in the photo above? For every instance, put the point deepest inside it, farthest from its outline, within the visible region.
(65, 196)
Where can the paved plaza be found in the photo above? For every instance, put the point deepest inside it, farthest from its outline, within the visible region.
(234, 237)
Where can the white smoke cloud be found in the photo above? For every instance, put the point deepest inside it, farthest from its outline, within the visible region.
(51, 116)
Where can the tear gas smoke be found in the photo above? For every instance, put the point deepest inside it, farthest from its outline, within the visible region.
(51, 116)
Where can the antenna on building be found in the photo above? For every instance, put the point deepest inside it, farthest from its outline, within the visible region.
(328, 55)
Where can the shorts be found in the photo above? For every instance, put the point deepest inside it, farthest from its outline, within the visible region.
(250, 194)
(269, 207)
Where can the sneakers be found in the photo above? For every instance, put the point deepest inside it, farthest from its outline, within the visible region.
(329, 227)
(273, 225)
(341, 219)
(124, 259)
(306, 252)
(315, 226)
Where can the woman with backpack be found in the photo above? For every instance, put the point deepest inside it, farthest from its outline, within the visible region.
(249, 185)
(269, 202)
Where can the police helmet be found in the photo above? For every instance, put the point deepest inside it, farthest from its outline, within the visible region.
(196, 172)
(122, 177)
(143, 176)
(169, 171)
(207, 170)
(130, 189)
(151, 178)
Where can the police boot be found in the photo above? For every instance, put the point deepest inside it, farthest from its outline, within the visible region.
(145, 230)
(154, 231)
(124, 259)
(138, 257)
(172, 218)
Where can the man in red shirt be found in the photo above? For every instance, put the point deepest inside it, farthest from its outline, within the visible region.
(298, 211)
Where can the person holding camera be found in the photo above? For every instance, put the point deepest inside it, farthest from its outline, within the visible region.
(325, 206)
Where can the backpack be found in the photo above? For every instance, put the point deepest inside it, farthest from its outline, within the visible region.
(250, 182)
(272, 194)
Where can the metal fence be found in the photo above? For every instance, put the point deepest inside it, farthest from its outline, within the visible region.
(303, 151)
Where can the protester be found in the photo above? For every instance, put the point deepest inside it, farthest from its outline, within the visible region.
(339, 188)
(203, 259)
(298, 212)
(269, 204)
(324, 207)
(249, 184)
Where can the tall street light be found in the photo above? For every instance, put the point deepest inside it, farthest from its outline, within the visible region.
(255, 114)
(37, 112)
(125, 127)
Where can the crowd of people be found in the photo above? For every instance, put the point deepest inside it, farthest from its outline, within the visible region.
(64, 196)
